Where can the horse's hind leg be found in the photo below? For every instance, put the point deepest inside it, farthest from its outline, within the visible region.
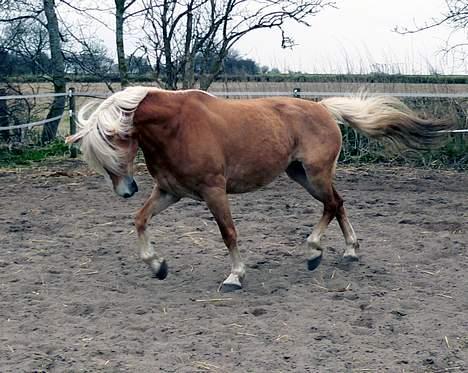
(218, 203)
(318, 182)
(156, 203)
(348, 232)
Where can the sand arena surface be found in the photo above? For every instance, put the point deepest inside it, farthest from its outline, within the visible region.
(75, 296)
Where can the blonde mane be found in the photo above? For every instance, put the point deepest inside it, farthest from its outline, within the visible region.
(114, 116)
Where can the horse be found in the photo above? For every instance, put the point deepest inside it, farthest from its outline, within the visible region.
(200, 146)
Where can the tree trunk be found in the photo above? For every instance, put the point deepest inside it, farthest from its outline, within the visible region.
(189, 73)
(188, 80)
(171, 76)
(208, 77)
(122, 62)
(58, 71)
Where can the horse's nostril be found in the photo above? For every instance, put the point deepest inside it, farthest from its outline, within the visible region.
(127, 195)
(134, 186)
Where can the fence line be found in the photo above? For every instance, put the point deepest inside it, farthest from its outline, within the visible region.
(33, 124)
(309, 94)
(334, 94)
(92, 95)
(71, 94)
(17, 97)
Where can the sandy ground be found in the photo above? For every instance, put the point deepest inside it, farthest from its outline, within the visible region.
(75, 297)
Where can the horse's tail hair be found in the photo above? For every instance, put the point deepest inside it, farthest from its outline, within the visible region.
(382, 117)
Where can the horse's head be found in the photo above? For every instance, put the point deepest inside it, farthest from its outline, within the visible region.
(108, 139)
(121, 176)
(112, 155)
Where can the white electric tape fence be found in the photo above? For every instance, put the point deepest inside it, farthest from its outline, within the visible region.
(225, 94)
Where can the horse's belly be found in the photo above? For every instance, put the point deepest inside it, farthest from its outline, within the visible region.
(247, 179)
(241, 186)
(257, 165)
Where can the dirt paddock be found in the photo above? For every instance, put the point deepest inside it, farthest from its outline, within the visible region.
(75, 297)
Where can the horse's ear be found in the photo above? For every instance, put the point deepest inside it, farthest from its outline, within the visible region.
(74, 138)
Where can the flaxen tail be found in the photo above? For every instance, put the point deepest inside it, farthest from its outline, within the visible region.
(387, 118)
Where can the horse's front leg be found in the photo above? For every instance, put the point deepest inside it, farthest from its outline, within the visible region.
(218, 203)
(158, 201)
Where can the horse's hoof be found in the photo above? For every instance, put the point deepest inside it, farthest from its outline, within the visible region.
(346, 262)
(161, 272)
(232, 283)
(314, 262)
(350, 258)
(229, 288)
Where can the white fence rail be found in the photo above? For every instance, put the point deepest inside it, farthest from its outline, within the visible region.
(307, 94)
(296, 93)
(33, 124)
(18, 97)
(335, 94)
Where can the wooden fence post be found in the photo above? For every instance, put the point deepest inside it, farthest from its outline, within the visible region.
(71, 114)
(4, 116)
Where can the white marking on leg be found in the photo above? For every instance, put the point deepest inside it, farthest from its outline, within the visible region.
(148, 254)
(351, 242)
(218, 203)
(313, 243)
(156, 203)
(238, 266)
(349, 235)
(237, 274)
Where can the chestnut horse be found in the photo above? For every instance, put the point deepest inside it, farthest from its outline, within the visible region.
(203, 147)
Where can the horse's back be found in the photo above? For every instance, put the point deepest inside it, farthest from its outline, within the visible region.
(294, 128)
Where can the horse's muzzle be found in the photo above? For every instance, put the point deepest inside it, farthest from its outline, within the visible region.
(127, 188)
(133, 189)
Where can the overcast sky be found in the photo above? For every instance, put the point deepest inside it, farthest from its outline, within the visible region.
(353, 37)
(360, 33)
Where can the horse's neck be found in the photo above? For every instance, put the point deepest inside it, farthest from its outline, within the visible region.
(158, 107)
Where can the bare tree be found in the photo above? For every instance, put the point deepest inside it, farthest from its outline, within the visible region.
(26, 41)
(122, 11)
(58, 66)
(42, 13)
(180, 30)
(89, 57)
(455, 16)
